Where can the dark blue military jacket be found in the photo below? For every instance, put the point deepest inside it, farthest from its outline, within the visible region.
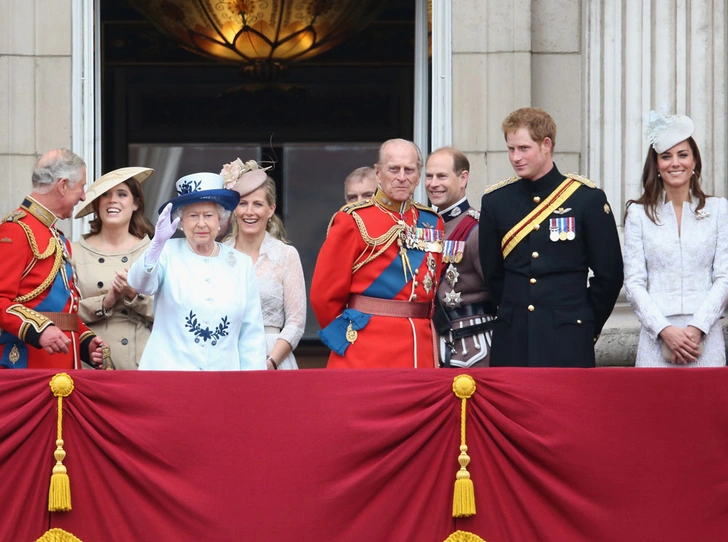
(550, 311)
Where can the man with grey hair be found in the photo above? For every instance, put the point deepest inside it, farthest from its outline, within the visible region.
(360, 184)
(377, 272)
(38, 297)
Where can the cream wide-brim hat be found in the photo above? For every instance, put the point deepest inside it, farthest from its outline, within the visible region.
(108, 181)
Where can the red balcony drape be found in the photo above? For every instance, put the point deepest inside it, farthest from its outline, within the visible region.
(369, 455)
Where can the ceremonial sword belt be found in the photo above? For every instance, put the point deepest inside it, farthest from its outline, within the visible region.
(390, 307)
(472, 310)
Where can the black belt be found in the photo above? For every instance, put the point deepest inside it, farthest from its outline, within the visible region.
(473, 309)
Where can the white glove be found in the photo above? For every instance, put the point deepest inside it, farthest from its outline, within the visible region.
(163, 231)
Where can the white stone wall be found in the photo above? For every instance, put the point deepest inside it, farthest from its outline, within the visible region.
(35, 89)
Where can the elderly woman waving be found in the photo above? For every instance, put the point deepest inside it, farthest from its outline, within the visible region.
(207, 308)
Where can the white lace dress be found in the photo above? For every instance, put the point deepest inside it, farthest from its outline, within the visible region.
(282, 295)
(676, 278)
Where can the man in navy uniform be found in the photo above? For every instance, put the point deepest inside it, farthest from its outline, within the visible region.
(464, 314)
(541, 233)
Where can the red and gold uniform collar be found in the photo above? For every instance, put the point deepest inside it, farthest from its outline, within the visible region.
(39, 211)
(381, 199)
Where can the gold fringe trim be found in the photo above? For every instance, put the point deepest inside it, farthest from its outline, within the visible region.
(463, 536)
(463, 501)
(59, 535)
(59, 494)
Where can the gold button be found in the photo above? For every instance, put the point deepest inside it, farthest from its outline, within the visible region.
(537, 227)
(417, 271)
(414, 296)
(578, 321)
(534, 255)
(536, 199)
(532, 281)
(416, 284)
(531, 308)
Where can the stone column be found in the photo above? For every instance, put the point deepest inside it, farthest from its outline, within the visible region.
(491, 74)
(35, 89)
(648, 55)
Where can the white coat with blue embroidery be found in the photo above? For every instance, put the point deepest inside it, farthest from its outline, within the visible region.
(207, 313)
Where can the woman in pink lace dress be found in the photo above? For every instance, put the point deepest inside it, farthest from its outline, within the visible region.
(259, 233)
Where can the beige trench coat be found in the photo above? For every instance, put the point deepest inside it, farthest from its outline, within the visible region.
(126, 327)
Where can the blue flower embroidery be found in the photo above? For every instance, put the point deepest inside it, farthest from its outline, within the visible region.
(188, 187)
(206, 334)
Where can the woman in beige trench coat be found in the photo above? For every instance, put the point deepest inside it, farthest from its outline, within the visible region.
(119, 235)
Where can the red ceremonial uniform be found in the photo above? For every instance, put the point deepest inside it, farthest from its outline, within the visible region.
(379, 266)
(36, 291)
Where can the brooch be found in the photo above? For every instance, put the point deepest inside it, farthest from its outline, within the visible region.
(701, 214)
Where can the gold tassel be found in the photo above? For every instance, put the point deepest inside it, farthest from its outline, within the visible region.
(59, 494)
(463, 501)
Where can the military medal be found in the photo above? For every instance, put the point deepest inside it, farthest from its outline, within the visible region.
(452, 299)
(452, 275)
(453, 251)
(553, 229)
(431, 263)
(427, 283)
(562, 229)
(570, 227)
(351, 333)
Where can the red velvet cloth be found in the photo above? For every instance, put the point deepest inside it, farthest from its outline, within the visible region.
(369, 455)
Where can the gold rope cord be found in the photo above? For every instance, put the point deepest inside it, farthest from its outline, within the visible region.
(386, 239)
(53, 246)
(59, 493)
(463, 501)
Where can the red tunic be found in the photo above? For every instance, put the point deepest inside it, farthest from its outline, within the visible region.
(385, 341)
(36, 279)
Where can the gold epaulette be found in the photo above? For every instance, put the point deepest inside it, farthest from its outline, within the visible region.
(501, 184)
(422, 206)
(582, 180)
(351, 207)
(15, 216)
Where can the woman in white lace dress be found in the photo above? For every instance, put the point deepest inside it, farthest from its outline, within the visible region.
(676, 254)
(259, 233)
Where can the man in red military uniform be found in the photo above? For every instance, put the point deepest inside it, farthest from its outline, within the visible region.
(39, 322)
(377, 272)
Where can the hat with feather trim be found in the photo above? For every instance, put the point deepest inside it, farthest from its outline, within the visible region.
(108, 181)
(664, 132)
(244, 177)
(199, 187)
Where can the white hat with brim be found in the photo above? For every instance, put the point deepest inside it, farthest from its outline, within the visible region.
(203, 187)
(664, 132)
(108, 181)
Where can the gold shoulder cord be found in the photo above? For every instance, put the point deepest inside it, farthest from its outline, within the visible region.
(53, 246)
(385, 241)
